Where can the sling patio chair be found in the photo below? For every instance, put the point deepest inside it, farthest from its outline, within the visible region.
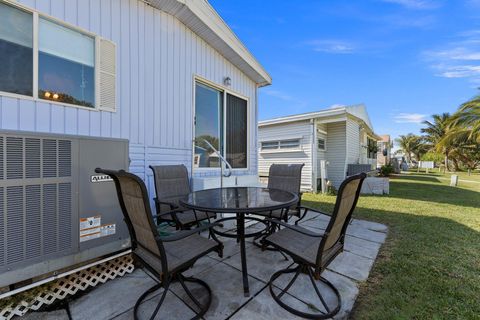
(312, 252)
(171, 185)
(287, 177)
(164, 258)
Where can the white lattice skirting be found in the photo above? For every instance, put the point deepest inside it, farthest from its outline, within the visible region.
(69, 285)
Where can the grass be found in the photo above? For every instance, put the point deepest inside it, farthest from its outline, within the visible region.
(429, 267)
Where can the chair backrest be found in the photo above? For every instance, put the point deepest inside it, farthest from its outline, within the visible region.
(133, 197)
(171, 181)
(286, 177)
(347, 198)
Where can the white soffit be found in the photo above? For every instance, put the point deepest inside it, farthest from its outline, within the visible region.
(201, 18)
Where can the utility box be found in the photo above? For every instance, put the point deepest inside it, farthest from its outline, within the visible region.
(56, 213)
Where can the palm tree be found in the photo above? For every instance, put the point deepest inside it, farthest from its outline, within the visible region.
(409, 145)
(468, 118)
(436, 130)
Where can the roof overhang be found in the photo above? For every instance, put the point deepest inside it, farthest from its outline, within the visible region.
(200, 17)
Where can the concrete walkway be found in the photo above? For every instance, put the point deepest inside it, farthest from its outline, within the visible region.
(115, 299)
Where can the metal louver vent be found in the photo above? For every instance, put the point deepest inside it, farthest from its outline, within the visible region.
(15, 224)
(2, 154)
(14, 158)
(49, 224)
(65, 215)
(2, 228)
(64, 158)
(49, 158)
(32, 158)
(33, 225)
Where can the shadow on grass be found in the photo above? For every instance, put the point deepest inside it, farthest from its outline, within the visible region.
(427, 269)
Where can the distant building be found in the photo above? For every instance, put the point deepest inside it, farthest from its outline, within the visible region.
(332, 143)
(384, 154)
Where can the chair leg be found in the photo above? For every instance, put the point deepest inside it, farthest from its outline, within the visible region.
(203, 308)
(301, 216)
(145, 294)
(330, 311)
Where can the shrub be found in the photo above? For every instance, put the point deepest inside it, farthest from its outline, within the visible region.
(386, 170)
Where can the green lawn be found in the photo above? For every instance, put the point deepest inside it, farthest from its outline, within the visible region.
(429, 267)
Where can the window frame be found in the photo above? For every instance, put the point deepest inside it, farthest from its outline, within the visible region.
(224, 90)
(279, 148)
(324, 144)
(36, 15)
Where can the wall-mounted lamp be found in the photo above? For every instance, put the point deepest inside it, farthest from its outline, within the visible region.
(227, 81)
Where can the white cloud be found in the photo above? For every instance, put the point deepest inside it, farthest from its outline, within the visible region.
(331, 46)
(278, 94)
(416, 4)
(410, 118)
(336, 105)
(458, 59)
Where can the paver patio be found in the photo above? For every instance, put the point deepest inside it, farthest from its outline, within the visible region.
(115, 299)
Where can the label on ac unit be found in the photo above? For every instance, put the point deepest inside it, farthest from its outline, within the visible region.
(92, 228)
(100, 178)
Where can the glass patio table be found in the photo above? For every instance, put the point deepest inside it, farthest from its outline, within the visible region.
(240, 201)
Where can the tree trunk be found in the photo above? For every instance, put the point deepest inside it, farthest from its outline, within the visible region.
(455, 164)
(446, 161)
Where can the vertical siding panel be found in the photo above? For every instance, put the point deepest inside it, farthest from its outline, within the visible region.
(164, 77)
(142, 72)
(10, 113)
(149, 67)
(42, 120)
(170, 70)
(157, 61)
(57, 118)
(125, 69)
(134, 65)
(26, 115)
(94, 26)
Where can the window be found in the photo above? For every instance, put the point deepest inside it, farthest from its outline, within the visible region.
(66, 73)
(281, 144)
(62, 68)
(221, 123)
(16, 50)
(321, 144)
(269, 145)
(290, 144)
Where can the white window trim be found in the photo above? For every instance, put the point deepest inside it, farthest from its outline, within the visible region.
(278, 149)
(225, 90)
(36, 16)
(324, 143)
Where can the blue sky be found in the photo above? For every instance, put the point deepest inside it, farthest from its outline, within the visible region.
(405, 59)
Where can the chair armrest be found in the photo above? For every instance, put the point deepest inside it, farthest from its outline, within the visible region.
(171, 212)
(295, 228)
(307, 208)
(171, 204)
(186, 233)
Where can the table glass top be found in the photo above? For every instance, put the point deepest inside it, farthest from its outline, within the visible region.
(239, 199)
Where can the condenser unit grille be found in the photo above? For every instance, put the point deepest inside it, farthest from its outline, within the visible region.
(35, 198)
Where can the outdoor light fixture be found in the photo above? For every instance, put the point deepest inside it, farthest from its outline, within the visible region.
(47, 94)
(227, 81)
(55, 96)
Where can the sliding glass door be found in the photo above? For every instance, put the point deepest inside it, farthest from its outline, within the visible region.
(221, 123)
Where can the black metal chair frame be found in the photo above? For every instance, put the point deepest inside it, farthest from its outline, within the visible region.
(174, 208)
(314, 270)
(165, 278)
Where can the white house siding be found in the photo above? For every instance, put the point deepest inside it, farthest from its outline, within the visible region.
(300, 129)
(336, 152)
(353, 141)
(157, 58)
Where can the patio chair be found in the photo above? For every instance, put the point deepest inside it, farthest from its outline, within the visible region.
(286, 177)
(171, 184)
(164, 257)
(313, 252)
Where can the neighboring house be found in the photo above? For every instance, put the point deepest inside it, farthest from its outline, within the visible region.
(384, 154)
(160, 73)
(339, 139)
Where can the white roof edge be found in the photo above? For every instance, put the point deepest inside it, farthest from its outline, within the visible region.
(358, 111)
(201, 18)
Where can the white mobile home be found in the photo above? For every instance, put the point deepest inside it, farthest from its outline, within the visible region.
(329, 142)
(164, 74)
